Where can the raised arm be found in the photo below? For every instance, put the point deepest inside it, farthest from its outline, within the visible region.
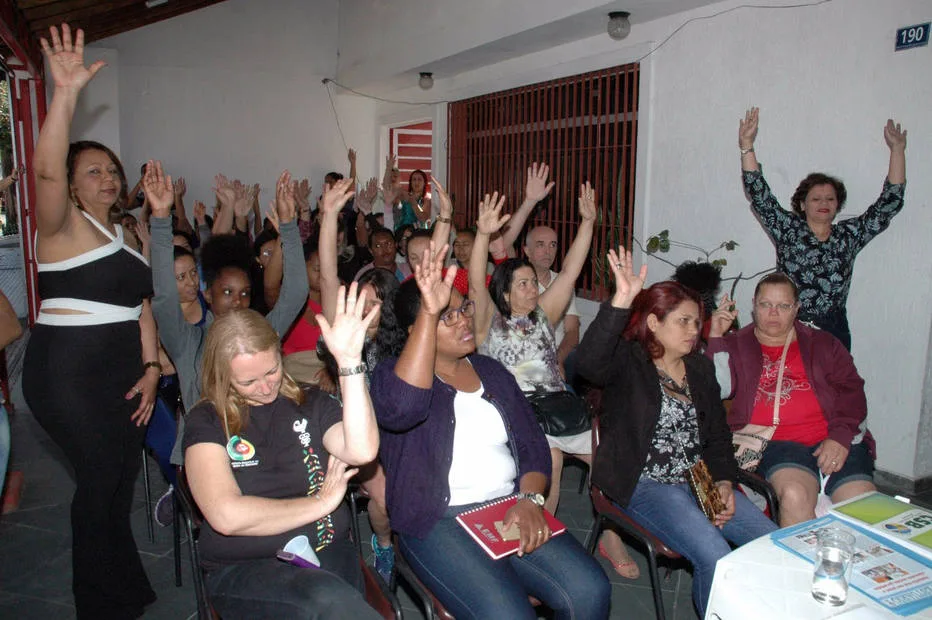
(602, 339)
(330, 206)
(184, 224)
(747, 133)
(284, 203)
(356, 439)
(351, 156)
(896, 140)
(490, 222)
(70, 76)
(444, 222)
(537, 189)
(226, 196)
(293, 296)
(557, 296)
(415, 365)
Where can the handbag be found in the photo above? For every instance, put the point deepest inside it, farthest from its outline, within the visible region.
(751, 440)
(560, 414)
(704, 490)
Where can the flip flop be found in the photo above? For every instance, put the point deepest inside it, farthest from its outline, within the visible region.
(628, 570)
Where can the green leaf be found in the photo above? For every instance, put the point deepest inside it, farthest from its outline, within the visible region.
(664, 245)
(664, 234)
(720, 262)
(653, 244)
(731, 245)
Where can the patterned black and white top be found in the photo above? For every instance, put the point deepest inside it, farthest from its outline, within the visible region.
(821, 269)
(675, 446)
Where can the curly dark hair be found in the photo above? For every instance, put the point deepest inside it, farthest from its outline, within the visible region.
(806, 185)
(390, 339)
(702, 277)
(224, 251)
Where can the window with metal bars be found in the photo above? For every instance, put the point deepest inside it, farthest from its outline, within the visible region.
(584, 127)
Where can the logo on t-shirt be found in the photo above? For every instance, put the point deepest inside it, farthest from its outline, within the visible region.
(240, 449)
(300, 427)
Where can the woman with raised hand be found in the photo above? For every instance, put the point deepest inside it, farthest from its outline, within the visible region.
(227, 289)
(814, 250)
(662, 413)
(514, 325)
(268, 462)
(456, 432)
(91, 368)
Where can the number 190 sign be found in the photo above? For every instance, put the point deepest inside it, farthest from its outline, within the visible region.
(912, 36)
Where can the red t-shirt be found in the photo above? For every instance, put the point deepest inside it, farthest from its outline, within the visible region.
(801, 417)
(303, 336)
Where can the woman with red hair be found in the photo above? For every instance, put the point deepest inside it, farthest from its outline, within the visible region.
(662, 414)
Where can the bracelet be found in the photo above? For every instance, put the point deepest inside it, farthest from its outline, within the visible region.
(355, 370)
(750, 149)
(445, 220)
(148, 365)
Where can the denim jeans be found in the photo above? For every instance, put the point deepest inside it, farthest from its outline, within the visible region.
(4, 445)
(670, 513)
(160, 438)
(470, 584)
(270, 588)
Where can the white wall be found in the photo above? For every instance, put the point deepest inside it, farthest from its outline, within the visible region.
(97, 116)
(826, 79)
(233, 88)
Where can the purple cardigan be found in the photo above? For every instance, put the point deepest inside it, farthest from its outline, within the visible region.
(416, 428)
(837, 385)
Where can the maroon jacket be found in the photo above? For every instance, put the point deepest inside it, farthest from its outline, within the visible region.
(837, 385)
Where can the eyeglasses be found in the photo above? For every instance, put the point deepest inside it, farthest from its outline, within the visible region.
(767, 306)
(451, 316)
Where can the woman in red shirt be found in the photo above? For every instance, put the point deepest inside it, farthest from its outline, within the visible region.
(820, 425)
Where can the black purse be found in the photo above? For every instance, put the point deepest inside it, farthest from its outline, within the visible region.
(560, 414)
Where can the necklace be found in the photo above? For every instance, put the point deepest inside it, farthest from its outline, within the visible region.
(670, 384)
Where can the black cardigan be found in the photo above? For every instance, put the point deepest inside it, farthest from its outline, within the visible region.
(631, 405)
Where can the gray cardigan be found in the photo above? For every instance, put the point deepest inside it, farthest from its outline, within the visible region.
(183, 341)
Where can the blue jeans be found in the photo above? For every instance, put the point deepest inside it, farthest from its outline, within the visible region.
(270, 588)
(470, 584)
(160, 438)
(4, 445)
(670, 513)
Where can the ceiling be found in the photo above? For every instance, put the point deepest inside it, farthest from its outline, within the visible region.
(100, 18)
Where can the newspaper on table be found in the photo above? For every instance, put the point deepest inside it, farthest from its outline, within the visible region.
(908, 524)
(897, 578)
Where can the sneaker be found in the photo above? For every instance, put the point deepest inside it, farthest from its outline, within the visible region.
(384, 559)
(165, 508)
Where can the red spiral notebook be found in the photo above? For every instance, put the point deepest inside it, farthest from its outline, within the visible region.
(485, 524)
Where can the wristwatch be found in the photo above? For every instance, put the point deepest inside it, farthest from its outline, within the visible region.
(536, 498)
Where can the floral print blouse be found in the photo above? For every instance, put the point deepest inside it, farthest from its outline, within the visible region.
(527, 349)
(821, 269)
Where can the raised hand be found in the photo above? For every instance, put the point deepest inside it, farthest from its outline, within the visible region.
(537, 187)
(145, 239)
(587, 208)
(224, 191)
(242, 205)
(491, 219)
(158, 189)
(435, 288)
(66, 59)
(337, 196)
(894, 136)
(180, 187)
(351, 156)
(365, 199)
(747, 129)
(723, 317)
(627, 284)
(285, 203)
(446, 205)
(200, 213)
(347, 334)
(272, 216)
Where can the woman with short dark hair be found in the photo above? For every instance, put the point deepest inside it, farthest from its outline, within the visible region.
(813, 249)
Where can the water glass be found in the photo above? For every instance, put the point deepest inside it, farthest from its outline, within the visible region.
(833, 566)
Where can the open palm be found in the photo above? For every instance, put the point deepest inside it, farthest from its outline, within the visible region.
(66, 59)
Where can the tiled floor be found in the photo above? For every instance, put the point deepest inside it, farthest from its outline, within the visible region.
(35, 556)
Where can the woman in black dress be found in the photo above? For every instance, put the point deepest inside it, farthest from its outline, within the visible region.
(91, 368)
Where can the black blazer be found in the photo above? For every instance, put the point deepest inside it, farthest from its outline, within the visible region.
(631, 406)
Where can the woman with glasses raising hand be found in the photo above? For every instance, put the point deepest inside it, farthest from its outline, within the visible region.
(780, 370)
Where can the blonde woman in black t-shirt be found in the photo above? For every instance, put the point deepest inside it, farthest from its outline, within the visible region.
(268, 462)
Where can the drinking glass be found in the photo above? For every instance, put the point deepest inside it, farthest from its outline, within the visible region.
(833, 566)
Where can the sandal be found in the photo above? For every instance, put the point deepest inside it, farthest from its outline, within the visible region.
(628, 570)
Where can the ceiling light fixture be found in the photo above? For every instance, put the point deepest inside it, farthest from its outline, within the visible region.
(618, 25)
(426, 81)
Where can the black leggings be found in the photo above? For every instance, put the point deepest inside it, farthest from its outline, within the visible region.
(77, 395)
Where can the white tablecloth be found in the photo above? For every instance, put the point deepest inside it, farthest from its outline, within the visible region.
(761, 580)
